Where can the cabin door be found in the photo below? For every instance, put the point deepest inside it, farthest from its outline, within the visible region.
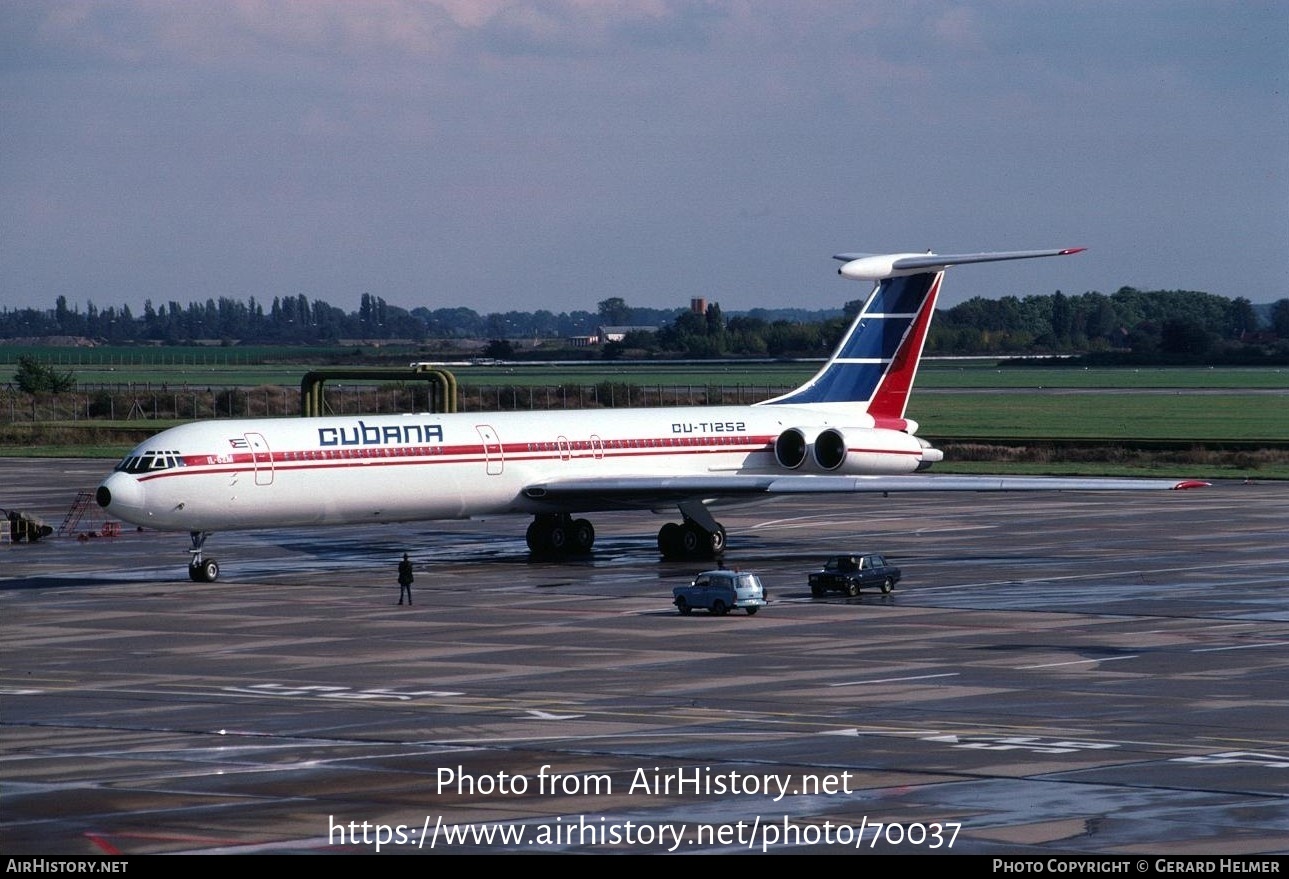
(261, 458)
(494, 460)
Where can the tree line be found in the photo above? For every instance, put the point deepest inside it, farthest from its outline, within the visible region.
(1129, 325)
(1186, 326)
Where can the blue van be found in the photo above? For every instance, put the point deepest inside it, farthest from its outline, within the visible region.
(719, 592)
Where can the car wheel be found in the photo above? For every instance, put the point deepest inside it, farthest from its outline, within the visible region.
(683, 606)
(719, 609)
(887, 585)
(751, 611)
(816, 590)
(852, 589)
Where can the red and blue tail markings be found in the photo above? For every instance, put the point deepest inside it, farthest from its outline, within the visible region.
(892, 397)
(877, 360)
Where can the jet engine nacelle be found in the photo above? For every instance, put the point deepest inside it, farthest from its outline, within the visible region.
(853, 451)
(792, 448)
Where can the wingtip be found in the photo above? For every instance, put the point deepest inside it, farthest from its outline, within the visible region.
(1067, 251)
(1191, 483)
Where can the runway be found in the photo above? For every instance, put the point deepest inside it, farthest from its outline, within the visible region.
(1064, 673)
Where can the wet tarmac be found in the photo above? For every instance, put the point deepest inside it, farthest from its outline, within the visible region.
(1068, 673)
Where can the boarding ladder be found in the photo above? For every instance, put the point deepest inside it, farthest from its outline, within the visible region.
(73, 518)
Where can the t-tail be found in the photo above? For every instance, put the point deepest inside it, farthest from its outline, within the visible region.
(874, 366)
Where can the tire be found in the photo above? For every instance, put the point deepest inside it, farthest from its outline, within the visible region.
(683, 606)
(581, 535)
(204, 572)
(669, 541)
(719, 609)
(887, 585)
(557, 540)
(692, 540)
(817, 591)
(751, 611)
(536, 537)
(852, 589)
(716, 540)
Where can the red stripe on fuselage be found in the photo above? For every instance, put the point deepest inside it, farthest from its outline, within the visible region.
(325, 459)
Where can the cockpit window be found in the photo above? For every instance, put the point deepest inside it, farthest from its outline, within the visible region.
(150, 462)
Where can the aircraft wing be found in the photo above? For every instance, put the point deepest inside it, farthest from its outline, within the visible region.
(645, 492)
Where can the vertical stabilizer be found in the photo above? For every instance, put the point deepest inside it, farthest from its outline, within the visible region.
(876, 362)
(874, 366)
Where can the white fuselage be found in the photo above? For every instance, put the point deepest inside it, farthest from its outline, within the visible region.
(262, 473)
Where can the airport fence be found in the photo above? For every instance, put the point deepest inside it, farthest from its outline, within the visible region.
(149, 403)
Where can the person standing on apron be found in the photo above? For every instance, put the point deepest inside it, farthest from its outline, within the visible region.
(405, 579)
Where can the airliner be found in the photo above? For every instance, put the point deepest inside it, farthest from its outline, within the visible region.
(842, 431)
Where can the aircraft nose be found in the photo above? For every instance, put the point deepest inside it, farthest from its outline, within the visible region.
(120, 495)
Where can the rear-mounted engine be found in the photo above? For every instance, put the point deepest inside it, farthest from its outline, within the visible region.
(868, 451)
(790, 448)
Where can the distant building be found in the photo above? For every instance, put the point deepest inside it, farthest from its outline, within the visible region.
(607, 334)
(617, 334)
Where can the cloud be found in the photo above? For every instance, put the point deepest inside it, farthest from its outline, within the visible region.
(653, 150)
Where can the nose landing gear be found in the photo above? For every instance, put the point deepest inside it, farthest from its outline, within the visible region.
(201, 570)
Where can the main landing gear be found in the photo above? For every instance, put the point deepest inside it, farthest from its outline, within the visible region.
(690, 541)
(699, 536)
(201, 570)
(559, 534)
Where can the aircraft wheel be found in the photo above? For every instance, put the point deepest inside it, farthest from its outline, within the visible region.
(669, 540)
(717, 540)
(581, 535)
(557, 541)
(887, 586)
(537, 536)
(693, 540)
(206, 571)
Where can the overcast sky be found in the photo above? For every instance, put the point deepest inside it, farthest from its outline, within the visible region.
(523, 155)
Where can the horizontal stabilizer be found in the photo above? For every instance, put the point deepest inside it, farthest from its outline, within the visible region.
(876, 266)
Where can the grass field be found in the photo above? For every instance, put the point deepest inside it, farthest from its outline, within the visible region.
(201, 368)
(955, 399)
(1101, 415)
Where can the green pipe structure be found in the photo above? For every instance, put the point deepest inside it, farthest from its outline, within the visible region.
(442, 385)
